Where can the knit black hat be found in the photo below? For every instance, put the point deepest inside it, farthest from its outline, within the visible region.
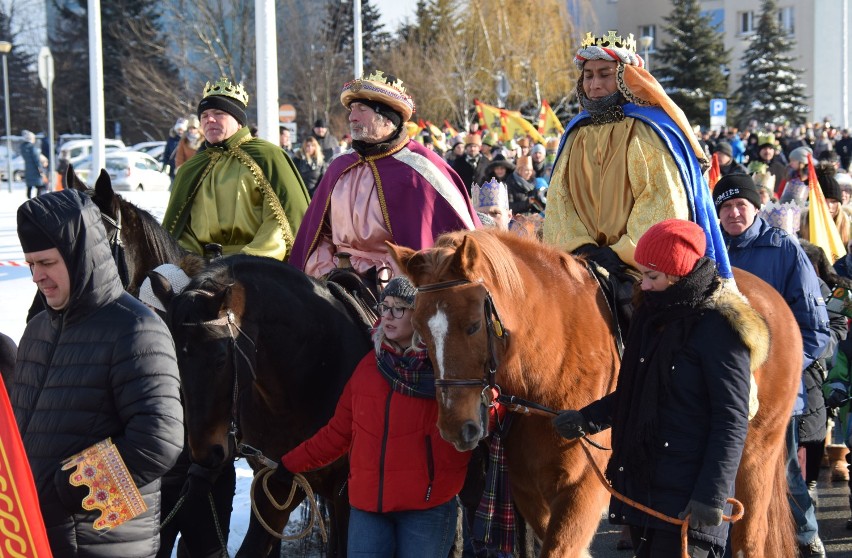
(32, 236)
(401, 288)
(383, 109)
(227, 104)
(830, 186)
(736, 186)
(319, 123)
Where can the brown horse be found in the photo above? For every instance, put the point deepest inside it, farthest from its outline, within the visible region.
(560, 353)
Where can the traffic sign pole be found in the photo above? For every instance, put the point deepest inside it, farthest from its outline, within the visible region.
(45, 76)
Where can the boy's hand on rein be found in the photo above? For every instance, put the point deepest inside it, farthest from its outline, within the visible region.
(571, 424)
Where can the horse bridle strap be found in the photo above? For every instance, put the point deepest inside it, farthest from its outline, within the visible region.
(116, 247)
(494, 329)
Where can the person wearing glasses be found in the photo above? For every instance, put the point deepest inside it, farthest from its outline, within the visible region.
(403, 477)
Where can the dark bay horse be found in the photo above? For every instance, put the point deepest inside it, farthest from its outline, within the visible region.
(560, 353)
(264, 352)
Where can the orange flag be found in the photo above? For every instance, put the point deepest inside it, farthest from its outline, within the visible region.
(22, 527)
(715, 174)
(822, 229)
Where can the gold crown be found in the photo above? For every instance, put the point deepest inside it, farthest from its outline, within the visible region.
(379, 76)
(610, 40)
(225, 88)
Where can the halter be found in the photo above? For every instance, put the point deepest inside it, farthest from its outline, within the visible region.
(116, 246)
(494, 329)
(229, 320)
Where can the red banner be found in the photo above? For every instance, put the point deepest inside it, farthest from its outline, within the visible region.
(21, 526)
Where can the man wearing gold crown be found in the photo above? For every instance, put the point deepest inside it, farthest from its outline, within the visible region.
(627, 161)
(238, 191)
(387, 188)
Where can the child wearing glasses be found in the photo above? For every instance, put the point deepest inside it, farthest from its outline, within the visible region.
(403, 477)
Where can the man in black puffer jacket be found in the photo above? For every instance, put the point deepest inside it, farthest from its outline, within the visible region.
(96, 364)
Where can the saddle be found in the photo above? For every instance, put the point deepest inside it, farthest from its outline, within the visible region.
(618, 294)
(363, 291)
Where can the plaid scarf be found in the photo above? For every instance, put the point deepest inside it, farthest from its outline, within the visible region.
(410, 373)
(494, 521)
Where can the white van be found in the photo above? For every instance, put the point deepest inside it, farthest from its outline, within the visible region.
(77, 150)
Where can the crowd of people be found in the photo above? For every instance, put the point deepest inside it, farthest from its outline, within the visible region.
(625, 187)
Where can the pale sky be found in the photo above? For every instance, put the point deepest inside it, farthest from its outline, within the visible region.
(395, 11)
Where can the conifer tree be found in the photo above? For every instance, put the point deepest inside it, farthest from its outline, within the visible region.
(771, 90)
(26, 96)
(692, 61)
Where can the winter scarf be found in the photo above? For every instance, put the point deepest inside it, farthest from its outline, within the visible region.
(660, 328)
(409, 373)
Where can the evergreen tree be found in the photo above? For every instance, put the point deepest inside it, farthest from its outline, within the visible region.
(693, 60)
(27, 98)
(771, 90)
(339, 30)
(140, 85)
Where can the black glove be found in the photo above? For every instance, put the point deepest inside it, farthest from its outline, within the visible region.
(836, 398)
(199, 482)
(282, 475)
(604, 256)
(571, 424)
(701, 515)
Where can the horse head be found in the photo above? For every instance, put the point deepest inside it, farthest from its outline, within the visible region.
(456, 317)
(214, 351)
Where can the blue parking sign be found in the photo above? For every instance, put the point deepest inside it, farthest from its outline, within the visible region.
(718, 107)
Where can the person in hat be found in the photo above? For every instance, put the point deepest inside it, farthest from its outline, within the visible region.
(521, 192)
(472, 165)
(629, 160)
(176, 132)
(386, 422)
(776, 257)
(189, 142)
(537, 154)
(328, 143)
(768, 154)
(795, 185)
(241, 192)
(456, 149)
(489, 142)
(679, 412)
(492, 200)
(727, 164)
(389, 188)
(95, 366)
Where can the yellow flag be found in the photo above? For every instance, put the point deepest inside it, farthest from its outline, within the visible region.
(548, 124)
(823, 231)
(489, 118)
(517, 127)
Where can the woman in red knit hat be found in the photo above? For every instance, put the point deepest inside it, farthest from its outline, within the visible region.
(679, 413)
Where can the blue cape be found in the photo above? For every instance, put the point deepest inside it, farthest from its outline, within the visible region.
(698, 197)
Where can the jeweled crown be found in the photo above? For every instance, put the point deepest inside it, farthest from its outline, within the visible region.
(379, 76)
(610, 40)
(225, 88)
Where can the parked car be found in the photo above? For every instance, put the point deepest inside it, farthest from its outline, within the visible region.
(78, 150)
(129, 170)
(153, 148)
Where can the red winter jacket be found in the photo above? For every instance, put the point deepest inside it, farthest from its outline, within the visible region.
(397, 458)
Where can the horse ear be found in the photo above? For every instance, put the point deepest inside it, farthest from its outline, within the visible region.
(412, 263)
(161, 287)
(103, 186)
(465, 257)
(401, 254)
(71, 180)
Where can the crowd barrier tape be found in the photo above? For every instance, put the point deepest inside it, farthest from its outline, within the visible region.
(13, 263)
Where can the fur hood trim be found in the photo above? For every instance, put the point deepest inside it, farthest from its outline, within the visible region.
(744, 319)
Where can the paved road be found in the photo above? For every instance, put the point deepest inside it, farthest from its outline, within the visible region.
(832, 513)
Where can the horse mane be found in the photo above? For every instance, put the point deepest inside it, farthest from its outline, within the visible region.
(159, 242)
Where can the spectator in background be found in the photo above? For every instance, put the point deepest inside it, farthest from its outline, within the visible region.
(34, 171)
(285, 140)
(537, 154)
(190, 142)
(456, 149)
(472, 164)
(727, 164)
(492, 200)
(326, 140)
(175, 134)
(311, 164)
(843, 146)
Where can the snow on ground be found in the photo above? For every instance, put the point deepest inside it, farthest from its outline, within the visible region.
(16, 294)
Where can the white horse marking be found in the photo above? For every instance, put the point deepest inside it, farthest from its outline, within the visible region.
(439, 325)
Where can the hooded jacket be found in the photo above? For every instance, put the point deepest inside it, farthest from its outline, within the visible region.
(102, 367)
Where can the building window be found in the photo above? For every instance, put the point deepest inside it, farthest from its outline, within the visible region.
(648, 31)
(787, 20)
(745, 23)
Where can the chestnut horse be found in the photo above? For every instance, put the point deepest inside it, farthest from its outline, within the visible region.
(560, 353)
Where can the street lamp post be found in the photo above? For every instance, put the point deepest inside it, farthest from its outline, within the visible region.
(5, 48)
(645, 43)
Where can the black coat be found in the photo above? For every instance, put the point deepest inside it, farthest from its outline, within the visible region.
(467, 172)
(311, 173)
(102, 367)
(701, 424)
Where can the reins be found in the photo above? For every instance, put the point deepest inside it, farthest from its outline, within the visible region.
(491, 393)
(116, 247)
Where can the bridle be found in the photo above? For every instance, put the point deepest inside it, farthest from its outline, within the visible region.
(235, 332)
(494, 330)
(116, 246)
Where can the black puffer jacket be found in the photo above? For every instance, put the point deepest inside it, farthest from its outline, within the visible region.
(102, 367)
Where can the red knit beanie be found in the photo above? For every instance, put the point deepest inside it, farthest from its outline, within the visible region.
(672, 247)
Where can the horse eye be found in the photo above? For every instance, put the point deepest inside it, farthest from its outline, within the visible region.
(474, 327)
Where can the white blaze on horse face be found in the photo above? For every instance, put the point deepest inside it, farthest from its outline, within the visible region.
(438, 326)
